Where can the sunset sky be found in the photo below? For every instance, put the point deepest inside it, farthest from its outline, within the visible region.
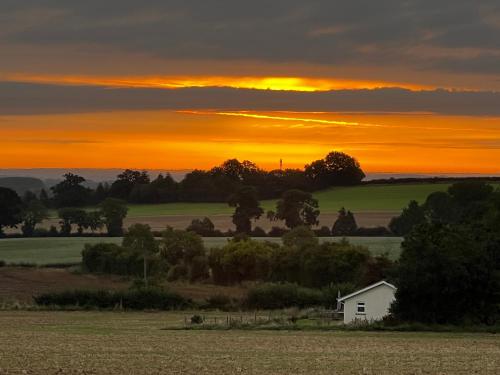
(404, 86)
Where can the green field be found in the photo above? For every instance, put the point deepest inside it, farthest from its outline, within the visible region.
(358, 198)
(34, 342)
(43, 251)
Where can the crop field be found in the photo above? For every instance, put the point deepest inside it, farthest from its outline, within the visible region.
(118, 343)
(45, 251)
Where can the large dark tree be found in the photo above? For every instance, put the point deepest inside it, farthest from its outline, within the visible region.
(411, 216)
(296, 208)
(125, 182)
(449, 274)
(336, 169)
(10, 209)
(247, 209)
(70, 192)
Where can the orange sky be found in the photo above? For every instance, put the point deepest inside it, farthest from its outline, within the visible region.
(201, 139)
(402, 86)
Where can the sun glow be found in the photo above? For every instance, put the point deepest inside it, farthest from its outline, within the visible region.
(304, 84)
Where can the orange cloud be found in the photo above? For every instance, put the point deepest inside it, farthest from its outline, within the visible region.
(242, 82)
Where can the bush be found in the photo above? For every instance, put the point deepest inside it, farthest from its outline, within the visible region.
(373, 232)
(140, 299)
(324, 231)
(178, 272)
(41, 232)
(111, 258)
(240, 261)
(196, 319)
(259, 232)
(198, 269)
(279, 296)
(53, 231)
(2, 263)
(277, 232)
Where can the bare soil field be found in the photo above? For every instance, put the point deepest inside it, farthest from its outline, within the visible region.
(224, 221)
(21, 284)
(135, 343)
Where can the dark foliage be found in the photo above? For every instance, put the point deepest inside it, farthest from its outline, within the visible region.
(345, 225)
(10, 208)
(139, 299)
(70, 192)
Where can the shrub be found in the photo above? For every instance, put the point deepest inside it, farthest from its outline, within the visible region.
(41, 232)
(279, 296)
(178, 272)
(240, 261)
(2, 263)
(277, 232)
(53, 231)
(140, 299)
(324, 231)
(198, 268)
(259, 232)
(373, 232)
(196, 319)
(111, 258)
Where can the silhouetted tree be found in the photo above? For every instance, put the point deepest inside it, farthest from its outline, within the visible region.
(247, 209)
(411, 216)
(296, 208)
(33, 213)
(204, 227)
(125, 182)
(70, 192)
(345, 225)
(10, 209)
(70, 216)
(114, 211)
(336, 169)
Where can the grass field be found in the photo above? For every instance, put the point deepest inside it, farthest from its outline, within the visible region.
(358, 198)
(119, 343)
(44, 251)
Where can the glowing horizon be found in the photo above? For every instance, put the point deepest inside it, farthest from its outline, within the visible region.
(180, 140)
(304, 84)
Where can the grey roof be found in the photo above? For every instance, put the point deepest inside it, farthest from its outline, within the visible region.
(366, 289)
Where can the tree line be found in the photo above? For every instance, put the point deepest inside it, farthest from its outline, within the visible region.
(214, 185)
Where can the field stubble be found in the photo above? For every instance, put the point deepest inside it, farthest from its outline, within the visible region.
(117, 343)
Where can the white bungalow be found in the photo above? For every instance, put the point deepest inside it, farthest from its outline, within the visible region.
(370, 303)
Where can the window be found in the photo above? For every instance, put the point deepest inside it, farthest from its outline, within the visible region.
(361, 308)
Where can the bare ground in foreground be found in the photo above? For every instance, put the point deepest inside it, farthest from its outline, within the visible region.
(134, 343)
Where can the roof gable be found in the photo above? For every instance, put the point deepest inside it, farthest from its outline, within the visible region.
(376, 285)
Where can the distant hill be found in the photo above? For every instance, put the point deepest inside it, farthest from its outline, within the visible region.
(53, 175)
(22, 184)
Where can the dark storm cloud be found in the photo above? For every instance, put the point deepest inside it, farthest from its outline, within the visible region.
(25, 98)
(313, 31)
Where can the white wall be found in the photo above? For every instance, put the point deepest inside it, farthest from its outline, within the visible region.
(377, 303)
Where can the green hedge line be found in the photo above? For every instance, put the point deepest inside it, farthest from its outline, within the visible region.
(102, 299)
